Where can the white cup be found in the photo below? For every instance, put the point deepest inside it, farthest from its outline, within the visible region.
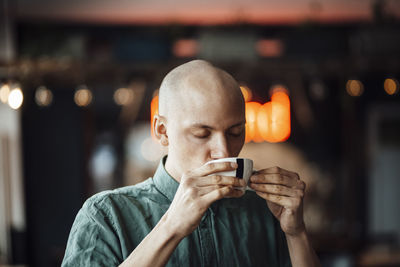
(243, 171)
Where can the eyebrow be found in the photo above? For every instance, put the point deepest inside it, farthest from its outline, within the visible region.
(203, 126)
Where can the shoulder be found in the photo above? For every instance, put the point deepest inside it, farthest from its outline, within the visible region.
(118, 198)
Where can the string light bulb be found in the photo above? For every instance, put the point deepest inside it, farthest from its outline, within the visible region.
(15, 98)
(354, 87)
(4, 92)
(43, 96)
(83, 96)
(391, 86)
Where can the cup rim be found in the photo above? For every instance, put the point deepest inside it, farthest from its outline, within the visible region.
(227, 159)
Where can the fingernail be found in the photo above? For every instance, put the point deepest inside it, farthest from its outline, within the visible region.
(234, 164)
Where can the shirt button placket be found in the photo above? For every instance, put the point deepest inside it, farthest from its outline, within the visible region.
(206, 241)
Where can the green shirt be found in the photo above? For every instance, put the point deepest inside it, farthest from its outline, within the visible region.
(233, 231)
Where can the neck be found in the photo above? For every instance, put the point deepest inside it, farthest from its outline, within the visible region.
(171, 170)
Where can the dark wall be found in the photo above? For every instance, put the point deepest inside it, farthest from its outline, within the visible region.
(54, 175)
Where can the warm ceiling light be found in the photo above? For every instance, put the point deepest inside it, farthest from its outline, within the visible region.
(43, 96)
(247, 95)
(270, 48)
(15, 98)
(83, 97)
(4, 92)
(391, 86)
(252, 133)
(123, 96)
(273, 118)
(185, 48)
(354, 87)
(153, 112)
(278, 88)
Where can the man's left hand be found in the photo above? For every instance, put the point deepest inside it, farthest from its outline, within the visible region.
(284, 191)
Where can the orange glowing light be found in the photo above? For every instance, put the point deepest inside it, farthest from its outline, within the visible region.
(269, 122)
(185, 48)
(280, 122)
(264, 120)
(246, 93)
(280, 97)
(83, 97)
(354, 88)
(270, 48)
(391, 86)
(153, 112)
(252, 133)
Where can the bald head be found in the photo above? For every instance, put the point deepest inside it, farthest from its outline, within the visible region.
(195, 80)
(201, 116)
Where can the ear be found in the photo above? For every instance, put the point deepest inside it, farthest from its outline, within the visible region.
(160, 129)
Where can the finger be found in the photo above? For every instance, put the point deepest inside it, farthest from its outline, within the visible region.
(287, 202)
(275, 178)
(220, 180)
(277, 190)
(277, 169)
(214, 167)
(226, 191)
(207, 189)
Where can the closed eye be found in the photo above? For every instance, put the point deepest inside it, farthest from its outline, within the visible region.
(201, 136)
(236, 131)
(201, 133)
(235, 134)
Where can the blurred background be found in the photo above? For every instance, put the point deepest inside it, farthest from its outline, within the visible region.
(78, 86)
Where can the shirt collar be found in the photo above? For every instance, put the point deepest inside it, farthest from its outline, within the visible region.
(164, 182)
(168, 186)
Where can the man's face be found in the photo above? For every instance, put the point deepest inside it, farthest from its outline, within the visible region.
(204, 127)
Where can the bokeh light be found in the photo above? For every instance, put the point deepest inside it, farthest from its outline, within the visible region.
(150, 150)
(247, 95)
(281, 97)
(280, 122)
(273, 118)
(252, 133)
(185, 48)
(123, 96)
(270, 48)
(43, 96)
(15, 98)
(354, 87)
(264, 120)
(391, 86)
(83, 96)
(153, 111)
(278, 88)
(4, 92)
(318, 91)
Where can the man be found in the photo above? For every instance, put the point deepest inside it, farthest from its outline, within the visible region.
(186, 215)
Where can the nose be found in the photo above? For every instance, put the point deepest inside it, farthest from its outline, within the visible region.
(219, 147)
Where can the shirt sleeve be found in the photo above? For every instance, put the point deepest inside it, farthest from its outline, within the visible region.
(93, 240)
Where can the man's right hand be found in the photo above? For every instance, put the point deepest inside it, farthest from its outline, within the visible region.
(198, 189)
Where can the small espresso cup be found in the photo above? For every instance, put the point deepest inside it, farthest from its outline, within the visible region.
(243, 171)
